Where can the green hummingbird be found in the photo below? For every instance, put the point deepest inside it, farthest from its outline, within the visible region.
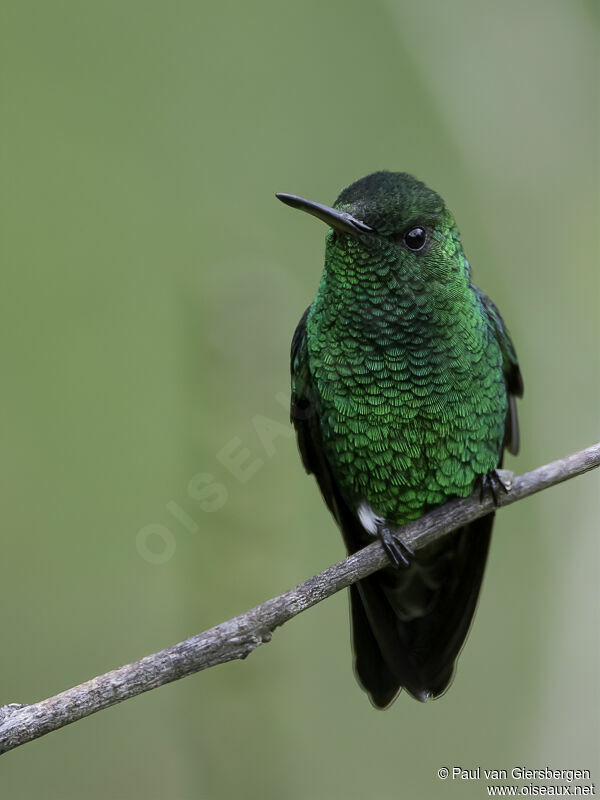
(404, 380)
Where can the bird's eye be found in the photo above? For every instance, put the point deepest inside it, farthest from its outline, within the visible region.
(415, 238)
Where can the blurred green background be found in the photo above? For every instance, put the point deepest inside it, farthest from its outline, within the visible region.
(151, 287)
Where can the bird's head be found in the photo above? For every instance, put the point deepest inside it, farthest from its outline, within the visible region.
(390, 225)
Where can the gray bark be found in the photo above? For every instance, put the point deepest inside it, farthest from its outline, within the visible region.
(238, 637)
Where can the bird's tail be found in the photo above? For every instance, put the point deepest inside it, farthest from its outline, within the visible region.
(408, 626)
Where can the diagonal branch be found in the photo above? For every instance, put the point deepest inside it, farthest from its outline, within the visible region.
(238, 637)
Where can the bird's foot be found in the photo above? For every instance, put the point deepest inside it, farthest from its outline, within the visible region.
(396, 550)
(495, 481)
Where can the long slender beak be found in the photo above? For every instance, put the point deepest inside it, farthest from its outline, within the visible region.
(339, 220)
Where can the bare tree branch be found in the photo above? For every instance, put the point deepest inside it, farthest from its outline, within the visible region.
(238, 637)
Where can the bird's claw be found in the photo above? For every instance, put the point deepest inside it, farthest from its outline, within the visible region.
(396, 550)
(494, 481)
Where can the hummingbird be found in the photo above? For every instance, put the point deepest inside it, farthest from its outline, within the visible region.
(403, 387)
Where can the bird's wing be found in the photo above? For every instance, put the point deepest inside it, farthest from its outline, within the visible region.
(512, 373)
(304, 415)
(301, 412)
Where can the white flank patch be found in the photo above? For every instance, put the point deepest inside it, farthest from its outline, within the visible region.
(370, 521)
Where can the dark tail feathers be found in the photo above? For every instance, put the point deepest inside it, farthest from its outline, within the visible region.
(409, 626)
